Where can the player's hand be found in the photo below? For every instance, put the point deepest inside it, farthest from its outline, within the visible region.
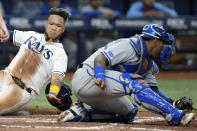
(101, 84)
(110, 14)
(136, 76)
(53, 98)
(144, 83)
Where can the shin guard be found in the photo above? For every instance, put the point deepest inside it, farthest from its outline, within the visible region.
(150, 100)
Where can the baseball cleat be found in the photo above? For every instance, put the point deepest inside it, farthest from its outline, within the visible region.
(65, 116)
(74, 114)
(187, 118)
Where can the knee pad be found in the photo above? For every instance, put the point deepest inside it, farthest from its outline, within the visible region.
(127, 82)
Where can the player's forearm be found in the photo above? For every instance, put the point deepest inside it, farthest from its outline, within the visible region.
(100, 62)
(56, 82)
(57, 79)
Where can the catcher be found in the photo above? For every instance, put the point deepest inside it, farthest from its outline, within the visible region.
(126, 67)
(41, 57)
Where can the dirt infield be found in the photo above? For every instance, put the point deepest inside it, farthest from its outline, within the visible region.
(42, 120)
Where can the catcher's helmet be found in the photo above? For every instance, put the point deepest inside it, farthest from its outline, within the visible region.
(155, 31)
(64, 95)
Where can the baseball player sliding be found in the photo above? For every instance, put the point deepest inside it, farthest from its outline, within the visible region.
(41, 58)
(104, 79)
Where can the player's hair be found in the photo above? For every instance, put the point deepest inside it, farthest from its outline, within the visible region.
(61, 12)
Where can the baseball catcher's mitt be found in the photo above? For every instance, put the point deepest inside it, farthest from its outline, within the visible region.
(184, 103)
(65, 96)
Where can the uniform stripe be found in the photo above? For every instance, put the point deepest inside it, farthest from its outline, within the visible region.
(107, 57)
(113, 79)
(89, 73)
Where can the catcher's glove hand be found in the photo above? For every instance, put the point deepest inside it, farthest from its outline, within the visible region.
(184, 103)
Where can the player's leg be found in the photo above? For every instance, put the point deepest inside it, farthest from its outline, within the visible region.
(124, 85)
(162, 94)
(12, 97)
(148, 99)
(120, 106)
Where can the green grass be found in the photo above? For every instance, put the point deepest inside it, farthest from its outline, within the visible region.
(173, 88)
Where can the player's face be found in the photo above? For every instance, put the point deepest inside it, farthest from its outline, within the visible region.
(156, 48)
(55, 26)
(148, 3)
(96, 3)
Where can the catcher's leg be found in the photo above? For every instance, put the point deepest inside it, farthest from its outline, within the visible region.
(162, 94)
(102, 111)
(148, 99)
(118, 106)
(183, 103)
(112, 101)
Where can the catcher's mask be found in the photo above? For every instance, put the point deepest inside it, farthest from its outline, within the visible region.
(155, 31)
(65, 96)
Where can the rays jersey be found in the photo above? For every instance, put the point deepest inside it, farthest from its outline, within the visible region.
(37, 59)
(128, 55)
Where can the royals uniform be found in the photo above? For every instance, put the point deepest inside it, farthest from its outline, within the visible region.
(124, 55)
(31, 68)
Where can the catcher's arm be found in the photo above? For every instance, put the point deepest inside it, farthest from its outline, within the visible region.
(100, 62)
(56, 81)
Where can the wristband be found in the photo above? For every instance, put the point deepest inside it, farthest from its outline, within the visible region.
(54, 90)
(100, 72)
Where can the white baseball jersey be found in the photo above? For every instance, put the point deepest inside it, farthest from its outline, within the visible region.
(37, 59)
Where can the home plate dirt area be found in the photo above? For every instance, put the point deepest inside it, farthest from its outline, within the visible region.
(46, 120)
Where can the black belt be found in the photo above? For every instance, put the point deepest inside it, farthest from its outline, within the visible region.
(80, 65)
(21, 84)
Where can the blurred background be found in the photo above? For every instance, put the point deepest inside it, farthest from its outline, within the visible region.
(94, 23)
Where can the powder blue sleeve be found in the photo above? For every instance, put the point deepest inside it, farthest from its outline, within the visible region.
(135, 10)
(165, 9)
(118, 51)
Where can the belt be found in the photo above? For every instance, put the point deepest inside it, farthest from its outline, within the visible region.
(80, 65)
(21, 84)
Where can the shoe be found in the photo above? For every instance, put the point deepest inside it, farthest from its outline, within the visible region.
(76, 113)
(187, 118)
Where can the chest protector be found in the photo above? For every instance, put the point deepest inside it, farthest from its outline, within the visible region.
(144, 64)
